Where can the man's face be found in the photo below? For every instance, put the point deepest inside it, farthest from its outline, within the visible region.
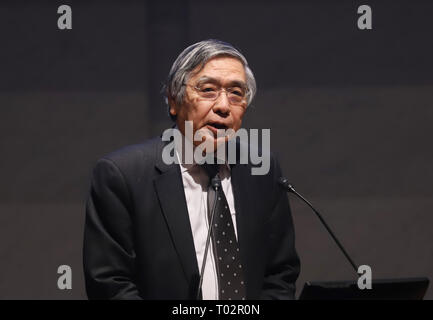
(210, 115)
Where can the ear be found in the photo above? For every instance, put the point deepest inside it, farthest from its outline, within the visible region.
(173, 108)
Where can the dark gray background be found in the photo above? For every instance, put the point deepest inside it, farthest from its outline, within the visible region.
(350, 114)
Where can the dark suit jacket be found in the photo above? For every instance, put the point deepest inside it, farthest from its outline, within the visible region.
(138, 242)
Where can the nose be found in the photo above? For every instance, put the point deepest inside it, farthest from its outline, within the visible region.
(222, 104)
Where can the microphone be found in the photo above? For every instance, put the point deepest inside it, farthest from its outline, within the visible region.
(284, 183)
(216, 185)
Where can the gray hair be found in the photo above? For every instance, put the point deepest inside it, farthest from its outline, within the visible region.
(199, 54)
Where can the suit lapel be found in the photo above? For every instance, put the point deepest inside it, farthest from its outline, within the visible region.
(248, 220)
(244, 220)
(170, 190)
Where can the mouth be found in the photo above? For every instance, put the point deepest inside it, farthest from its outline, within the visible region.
(214, 126)
(217, 125)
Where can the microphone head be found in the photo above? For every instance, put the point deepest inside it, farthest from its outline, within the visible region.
(285, 183)
(216, 182)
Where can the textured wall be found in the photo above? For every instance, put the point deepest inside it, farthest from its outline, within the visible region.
(349, 111)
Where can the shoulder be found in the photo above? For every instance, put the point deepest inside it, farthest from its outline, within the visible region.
(133, 152)
(133, 159)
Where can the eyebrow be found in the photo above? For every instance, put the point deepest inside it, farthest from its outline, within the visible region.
(233, 83)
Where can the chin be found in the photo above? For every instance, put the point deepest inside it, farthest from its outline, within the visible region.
(221, 142)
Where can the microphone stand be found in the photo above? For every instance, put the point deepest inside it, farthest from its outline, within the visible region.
(289, 188)
(215, 183)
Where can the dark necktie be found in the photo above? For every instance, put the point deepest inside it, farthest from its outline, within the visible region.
(230, 273)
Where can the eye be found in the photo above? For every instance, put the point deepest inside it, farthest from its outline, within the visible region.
(237, 91)
(207, 88)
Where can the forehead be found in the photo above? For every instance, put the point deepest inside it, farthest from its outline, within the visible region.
(223, 69)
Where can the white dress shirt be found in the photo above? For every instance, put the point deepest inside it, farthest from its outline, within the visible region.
(195, 183)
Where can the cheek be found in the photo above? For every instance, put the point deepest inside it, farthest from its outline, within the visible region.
(193, 108)
(198, 113)
(237, 118)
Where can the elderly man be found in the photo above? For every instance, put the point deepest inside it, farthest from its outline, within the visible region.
(153, 228)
